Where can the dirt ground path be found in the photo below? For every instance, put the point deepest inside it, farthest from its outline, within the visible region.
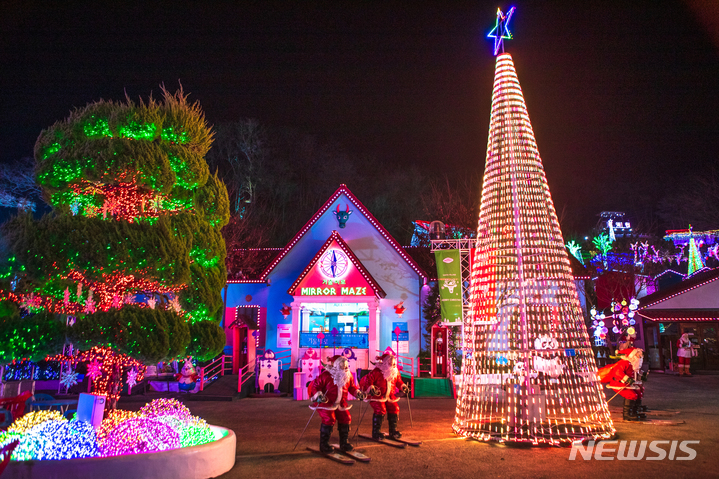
(267, 430)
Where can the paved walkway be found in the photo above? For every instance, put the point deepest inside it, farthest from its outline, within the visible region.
(267, 430)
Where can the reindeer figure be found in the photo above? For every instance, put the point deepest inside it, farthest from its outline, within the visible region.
(643, 249)
(656, 257)
(634, 247)
(678, 256)
(342, 216)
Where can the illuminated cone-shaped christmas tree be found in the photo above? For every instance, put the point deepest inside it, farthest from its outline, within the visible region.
(528, 372)
(695, 258)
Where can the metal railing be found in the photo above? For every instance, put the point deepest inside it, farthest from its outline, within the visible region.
(402, 363)
(425, 366)
(245, 374)
(213, 370)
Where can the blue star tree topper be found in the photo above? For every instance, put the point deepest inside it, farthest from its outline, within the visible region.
(501, 32)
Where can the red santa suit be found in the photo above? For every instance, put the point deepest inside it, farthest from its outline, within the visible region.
(388, 383)
(622, 376)
(684, 354)
(335, 406)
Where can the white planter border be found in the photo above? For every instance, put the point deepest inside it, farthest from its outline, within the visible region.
(196, 462)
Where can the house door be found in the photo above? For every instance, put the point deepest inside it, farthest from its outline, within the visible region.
(654, 347)
(668, 335)
(240, 353)
(704, 338)
(242, 346)
(708, 348)
(439, 354)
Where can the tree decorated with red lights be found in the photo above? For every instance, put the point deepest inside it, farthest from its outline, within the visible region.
(132, 253)
(528, 373)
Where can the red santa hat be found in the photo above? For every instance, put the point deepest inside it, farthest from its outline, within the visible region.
(334, 361)
(630, 352)
(384, 358)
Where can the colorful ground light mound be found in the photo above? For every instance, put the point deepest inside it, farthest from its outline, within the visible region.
(160, 425)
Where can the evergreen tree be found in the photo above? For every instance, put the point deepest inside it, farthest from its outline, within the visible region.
(132, 251)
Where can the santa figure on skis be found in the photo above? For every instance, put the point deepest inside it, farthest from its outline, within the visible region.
(381, 386)
(328, 393)
(625, 377)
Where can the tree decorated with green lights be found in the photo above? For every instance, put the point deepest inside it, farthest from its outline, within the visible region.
(695, 258)
(132, 252)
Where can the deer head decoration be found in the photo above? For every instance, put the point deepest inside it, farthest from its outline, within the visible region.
(342, 216)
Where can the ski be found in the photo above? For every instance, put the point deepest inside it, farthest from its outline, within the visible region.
(657, 412)
(661, 413)
(353, 454)
(659, 422)
(334, 456)
(388, 442)
(407, 441)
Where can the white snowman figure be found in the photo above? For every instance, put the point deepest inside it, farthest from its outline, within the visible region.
(552, 367)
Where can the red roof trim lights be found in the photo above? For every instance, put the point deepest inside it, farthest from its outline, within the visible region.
(335, 236)
(681, 291)
(712, 316)
(343, 189)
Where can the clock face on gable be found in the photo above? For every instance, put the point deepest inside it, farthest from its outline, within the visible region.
(334, 263)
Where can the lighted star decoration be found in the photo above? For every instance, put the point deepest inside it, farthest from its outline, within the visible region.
(131, 378)
(501, 32)
(94, 369)
(69, 379)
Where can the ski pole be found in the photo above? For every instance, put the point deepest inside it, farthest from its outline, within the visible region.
(411, 423)
(360, 421)
(608, 400)
(303, 431)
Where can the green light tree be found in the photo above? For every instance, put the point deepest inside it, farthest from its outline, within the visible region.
(694, 256)
(604, 244)
(132, 251)
(576, 250)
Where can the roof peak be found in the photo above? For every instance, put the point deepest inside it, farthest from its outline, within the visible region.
(343, 189)
(336, 238)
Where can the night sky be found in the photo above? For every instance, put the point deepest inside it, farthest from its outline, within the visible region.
(623, 96)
